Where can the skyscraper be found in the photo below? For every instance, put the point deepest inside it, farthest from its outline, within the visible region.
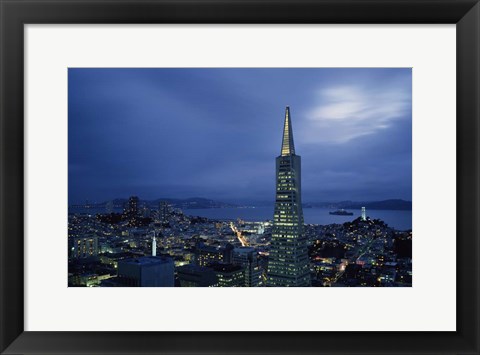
(163, 212)
(130, 211)
(248, 258)
(288, 261)
(132, 207)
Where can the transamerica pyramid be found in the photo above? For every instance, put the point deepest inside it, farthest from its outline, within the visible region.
(288, 260)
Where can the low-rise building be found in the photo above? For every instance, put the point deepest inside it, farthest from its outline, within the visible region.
(196, 276)
(147, 271)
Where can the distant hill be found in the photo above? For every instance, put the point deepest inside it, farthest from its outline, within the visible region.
(194, 202)
(382, 205)
(394, 204)
(189, 203)
(199, 202)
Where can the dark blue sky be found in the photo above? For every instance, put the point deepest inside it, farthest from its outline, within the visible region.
(215, 133)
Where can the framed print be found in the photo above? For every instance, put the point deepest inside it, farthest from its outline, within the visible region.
(224, 177)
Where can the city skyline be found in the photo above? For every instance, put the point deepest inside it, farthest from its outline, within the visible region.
(169, 246)
(181, 133)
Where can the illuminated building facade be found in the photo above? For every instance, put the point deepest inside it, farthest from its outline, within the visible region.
(288, 261)
(229, 275)
(364, 214)
(163, 212)
(207, 254)
(131, 210)
(154, 244)
(83, 247)
(247, 257)
(132, 207)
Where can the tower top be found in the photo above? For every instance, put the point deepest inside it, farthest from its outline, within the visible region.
(287, 143)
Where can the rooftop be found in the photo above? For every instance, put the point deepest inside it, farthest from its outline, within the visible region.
(244, 250)
(147, 260)
(226, 267)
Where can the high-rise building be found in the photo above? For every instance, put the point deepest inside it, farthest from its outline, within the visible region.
(145, 211)
(288, 260)
(247, 257)
(131, 210)
(229, 275)
(364, 214)
(206, 255)
(163, 212)
(132, 207)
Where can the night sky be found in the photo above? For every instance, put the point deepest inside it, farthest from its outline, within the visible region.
(215, 133)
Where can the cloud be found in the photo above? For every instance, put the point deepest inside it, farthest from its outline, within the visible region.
(343, 113)
(216, 132)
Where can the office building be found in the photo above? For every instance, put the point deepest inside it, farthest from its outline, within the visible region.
(163, 213)
(206, 255)
(196, 276)
(83, 247)
(288, 263)
(229, 275)
(248, 258)
(131, 212)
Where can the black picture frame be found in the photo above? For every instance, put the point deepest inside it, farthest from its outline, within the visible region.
(16, 13)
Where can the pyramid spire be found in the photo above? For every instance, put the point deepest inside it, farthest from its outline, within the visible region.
(287, 144)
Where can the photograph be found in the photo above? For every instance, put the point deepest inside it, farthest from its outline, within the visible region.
(160, 146)
(240, 177)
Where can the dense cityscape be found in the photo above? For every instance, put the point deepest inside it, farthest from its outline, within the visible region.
(159, 245)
